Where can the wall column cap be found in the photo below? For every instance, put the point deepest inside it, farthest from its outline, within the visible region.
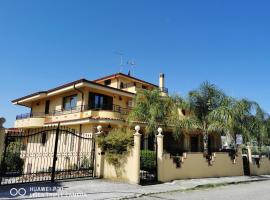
(137, 134)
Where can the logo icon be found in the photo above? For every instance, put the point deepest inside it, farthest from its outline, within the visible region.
(17, 192)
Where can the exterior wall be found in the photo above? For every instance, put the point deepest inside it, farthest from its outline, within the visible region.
(196, 166)
(102, 114)
(29, 122)
(130, 167)
(262, 169)
(56, 103)
(124, 173)
(114, 83)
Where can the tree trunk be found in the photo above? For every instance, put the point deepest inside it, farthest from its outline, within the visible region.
(205, 139)
(205, 143)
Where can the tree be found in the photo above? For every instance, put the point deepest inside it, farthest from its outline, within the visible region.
(206, 99)
(244, 117)
(13, 161)
(2, 121)
(150, 108)
(232, 117)
(259, 126)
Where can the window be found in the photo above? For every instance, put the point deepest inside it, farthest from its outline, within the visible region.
(108, 82)
(121, 85)
(130, 103)
(69, 102)
(144, 87)
(47, 107)
(100, 101)
(43, 138)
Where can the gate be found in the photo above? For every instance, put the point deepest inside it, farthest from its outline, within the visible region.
(47, 154)
(148, 165)
(245, 162)
(246, 166)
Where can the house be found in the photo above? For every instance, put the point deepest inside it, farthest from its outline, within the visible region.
(79, 107)
(82, 105)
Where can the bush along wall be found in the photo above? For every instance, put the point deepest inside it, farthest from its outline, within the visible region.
(116, 145)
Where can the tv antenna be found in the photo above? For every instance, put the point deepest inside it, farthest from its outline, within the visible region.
(131, 63)
(121, 54)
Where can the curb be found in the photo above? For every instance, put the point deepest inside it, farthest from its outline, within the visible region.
(197, 187)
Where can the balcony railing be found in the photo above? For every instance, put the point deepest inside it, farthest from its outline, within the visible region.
(82, 108)
(128, 85)
(30, 115)
(164, 89)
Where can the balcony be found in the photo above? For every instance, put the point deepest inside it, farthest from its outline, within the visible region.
(132, 87)
(102, 111)
(30, 122)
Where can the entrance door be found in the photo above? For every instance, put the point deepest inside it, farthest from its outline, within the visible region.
(194, 141)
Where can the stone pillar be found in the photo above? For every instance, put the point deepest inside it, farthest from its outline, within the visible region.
(99, 158)
(160, 155)
(135, 178)
(249, 154)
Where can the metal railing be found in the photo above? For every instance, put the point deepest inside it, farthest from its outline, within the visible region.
(30, 115)
(127, 85)
(82, 108)
(164, 89)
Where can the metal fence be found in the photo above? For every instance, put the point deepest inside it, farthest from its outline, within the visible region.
(46, 154)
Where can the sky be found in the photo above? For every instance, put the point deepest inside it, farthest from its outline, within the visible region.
(46, 43)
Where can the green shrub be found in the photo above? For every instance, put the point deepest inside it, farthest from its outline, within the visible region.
(255, 150)
(13, 161)
(116, 144)
(265, 150)
(148, 159)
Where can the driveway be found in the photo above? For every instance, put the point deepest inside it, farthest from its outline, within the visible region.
(102, 189)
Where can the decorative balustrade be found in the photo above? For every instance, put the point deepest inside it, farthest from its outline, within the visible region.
(82, 108)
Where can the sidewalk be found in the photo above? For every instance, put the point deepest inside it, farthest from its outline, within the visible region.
(102, 189)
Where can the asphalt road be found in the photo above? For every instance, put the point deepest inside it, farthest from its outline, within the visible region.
(248, 191)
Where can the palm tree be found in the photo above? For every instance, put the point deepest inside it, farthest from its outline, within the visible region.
(156, 110)
(259, 126)
(232, 117)
(209, 110)
(242, 116)
(150, 108)
(202, 102)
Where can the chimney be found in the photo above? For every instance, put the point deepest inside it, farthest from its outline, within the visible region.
(161, 81)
